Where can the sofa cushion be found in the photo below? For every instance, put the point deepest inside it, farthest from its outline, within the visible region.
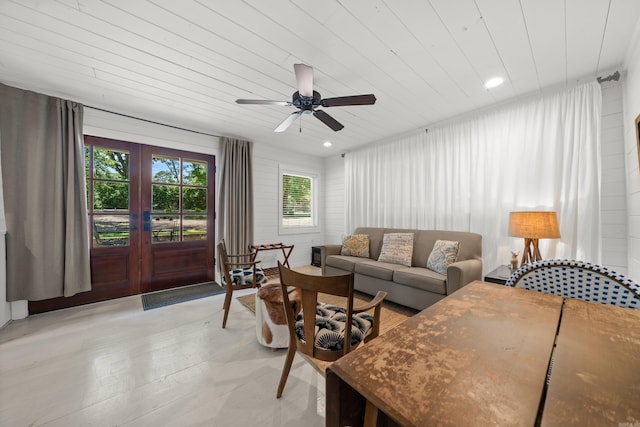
(421, 278)
(356, 245)
(444, 252)
(397, 248)
(377, 269)
(343, 262)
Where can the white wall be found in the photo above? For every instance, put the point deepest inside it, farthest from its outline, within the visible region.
(613, 193)
(334, 200)
(266, 174)
(631, 96)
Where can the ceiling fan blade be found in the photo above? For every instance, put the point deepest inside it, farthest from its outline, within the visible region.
(261, 102)
(349, 100)
(328, 120)
(304, 79)
(287, 122)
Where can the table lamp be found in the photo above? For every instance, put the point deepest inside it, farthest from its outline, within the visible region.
(533, 226)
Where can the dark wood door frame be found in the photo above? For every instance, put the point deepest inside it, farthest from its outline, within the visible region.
(172, 264)
(142, 266)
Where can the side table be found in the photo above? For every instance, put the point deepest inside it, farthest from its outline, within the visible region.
(500, 275)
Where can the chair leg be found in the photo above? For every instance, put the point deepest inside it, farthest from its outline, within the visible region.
(287, 367)
(227, 304)
(370, 415)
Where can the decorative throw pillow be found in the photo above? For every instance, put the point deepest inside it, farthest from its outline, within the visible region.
(356, 245)
(397, 248)
(444, 252)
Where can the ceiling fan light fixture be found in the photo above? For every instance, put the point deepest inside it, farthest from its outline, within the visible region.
(494, 82)
(327, 144)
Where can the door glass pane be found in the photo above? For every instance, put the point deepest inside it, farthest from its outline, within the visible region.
(165, 228)
(194, 227)
(110, 164)
(194, 173)
(111, 196)
(165, 169)
(165, 198)
(194, 199)
(110, 230)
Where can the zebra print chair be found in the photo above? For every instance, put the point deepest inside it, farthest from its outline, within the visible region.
(578, 279)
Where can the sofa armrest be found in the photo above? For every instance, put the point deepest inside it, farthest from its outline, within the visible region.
(328, 250)
(463, 272)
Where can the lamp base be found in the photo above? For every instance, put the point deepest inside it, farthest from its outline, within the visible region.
(531, 251)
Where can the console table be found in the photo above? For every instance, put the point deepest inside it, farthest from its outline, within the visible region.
(480, 357)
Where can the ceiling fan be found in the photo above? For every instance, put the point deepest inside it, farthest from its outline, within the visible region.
(308, 101)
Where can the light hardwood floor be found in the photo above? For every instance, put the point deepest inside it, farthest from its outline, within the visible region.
(113, 364)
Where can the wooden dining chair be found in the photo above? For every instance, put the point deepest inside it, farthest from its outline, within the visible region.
(578, 279)
(326, 324)
(237, 271)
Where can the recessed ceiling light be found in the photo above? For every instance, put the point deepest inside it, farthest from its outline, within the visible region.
(494, 82)
(327, 144)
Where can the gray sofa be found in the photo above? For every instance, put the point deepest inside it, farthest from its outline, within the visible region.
(415, 286)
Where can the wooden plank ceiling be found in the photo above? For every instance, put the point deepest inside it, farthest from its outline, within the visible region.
(185, 62)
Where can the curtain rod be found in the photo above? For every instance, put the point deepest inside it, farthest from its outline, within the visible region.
(615, 77)
(153, 122)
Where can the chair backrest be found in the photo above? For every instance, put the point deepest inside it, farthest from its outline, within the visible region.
(223, 262)
(309, 286)
(578, 279)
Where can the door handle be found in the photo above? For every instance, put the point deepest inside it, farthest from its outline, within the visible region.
(146, 216)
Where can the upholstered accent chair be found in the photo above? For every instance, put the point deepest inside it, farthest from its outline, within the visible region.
(322, 331)
(578, 279)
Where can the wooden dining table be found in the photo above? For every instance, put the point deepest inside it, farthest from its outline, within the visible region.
(480, 357)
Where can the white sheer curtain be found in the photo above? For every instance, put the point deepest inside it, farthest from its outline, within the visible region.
(543, 154)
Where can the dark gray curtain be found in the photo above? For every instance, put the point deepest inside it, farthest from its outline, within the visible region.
(44, 196)
(235, 219)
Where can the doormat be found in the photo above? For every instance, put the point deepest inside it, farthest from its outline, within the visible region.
(174, 296)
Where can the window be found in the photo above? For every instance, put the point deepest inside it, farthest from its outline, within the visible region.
(179, 199)
(108, 182)
(297, 213)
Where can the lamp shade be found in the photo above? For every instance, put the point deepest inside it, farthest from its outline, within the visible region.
(534, 225)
